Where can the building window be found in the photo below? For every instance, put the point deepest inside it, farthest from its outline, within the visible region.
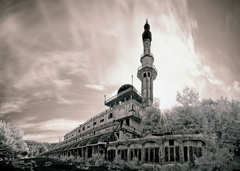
(151, 154)
(199, 152)
(166, 154)
(177, 153)
(110, 116)
(111, 155)
(148, 74)
(83, 128)
(146, 155)
(171, 142)
(132, 107)
(185, 153)
(191, 153)
(94, 123)
(79, 130)
(88, 126)
(131, 154)
(127, 122)
(144, 75)
(102, 120)
(171, 154)
(123, 154)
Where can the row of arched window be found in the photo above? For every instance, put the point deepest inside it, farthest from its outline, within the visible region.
(146, 74)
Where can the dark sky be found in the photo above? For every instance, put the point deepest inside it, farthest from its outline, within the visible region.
(59, 58)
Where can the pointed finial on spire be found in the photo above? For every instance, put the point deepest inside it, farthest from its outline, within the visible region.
(147, 34)
(146, 26)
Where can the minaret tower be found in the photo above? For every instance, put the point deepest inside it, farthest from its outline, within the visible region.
(147, 73)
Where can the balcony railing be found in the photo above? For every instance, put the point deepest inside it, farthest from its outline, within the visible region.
(125, 91)
(147, 65)
(147, 54)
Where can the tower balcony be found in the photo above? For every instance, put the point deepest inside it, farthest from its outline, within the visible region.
(145, 68)
(146, 54)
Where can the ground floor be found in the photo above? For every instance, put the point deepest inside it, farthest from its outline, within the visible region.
(150, 149)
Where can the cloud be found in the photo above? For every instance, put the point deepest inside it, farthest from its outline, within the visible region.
(48, 130)
(236, 86)
(61, 100)
(211, 77)
(96, 87)
(13, 106)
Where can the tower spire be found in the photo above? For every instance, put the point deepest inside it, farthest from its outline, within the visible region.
(147, 72)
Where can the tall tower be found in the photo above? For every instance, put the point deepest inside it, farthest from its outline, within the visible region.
(147, 73)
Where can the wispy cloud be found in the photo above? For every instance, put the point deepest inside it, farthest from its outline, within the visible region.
(12, 106)
(96, 87)
(236, 86)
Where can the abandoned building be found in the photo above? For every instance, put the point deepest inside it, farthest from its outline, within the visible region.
(118, 130)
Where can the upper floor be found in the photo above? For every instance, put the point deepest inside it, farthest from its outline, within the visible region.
(125, 108)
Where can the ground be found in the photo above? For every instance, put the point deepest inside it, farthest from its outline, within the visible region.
(45, 164)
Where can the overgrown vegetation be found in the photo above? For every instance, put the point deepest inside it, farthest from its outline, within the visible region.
(218, 121)
(11, 144)
(36, 148)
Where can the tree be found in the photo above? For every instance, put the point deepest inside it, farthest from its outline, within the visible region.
(186, 116)
(188, 96)
(151, 119)
(154, 121)
(222, 118)
(221, 129)
(43, 149)
(11, 142)
(36, 147)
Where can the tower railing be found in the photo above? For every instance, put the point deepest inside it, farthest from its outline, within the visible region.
(147, 65)
(125, 91)
(147, 54)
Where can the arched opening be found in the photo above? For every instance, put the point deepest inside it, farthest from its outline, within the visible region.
(144, 75)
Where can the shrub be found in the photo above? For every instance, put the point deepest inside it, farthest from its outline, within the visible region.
(48, 163)
(63, 158)
(119, 162)
(134, 163)
(80, 162)
(97, 159)
(219, 158)
(22, 165)
(70, 159)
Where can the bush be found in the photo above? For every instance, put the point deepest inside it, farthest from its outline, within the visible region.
(70, 159)
(134, 163)
(97, 159)
(22, 165)
(63, 158)
(217, 158)
(80, 162)
(119, 162)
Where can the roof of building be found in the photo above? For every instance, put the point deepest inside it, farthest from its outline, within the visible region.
(124, 87)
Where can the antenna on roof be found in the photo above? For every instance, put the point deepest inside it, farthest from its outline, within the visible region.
(132, 80)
